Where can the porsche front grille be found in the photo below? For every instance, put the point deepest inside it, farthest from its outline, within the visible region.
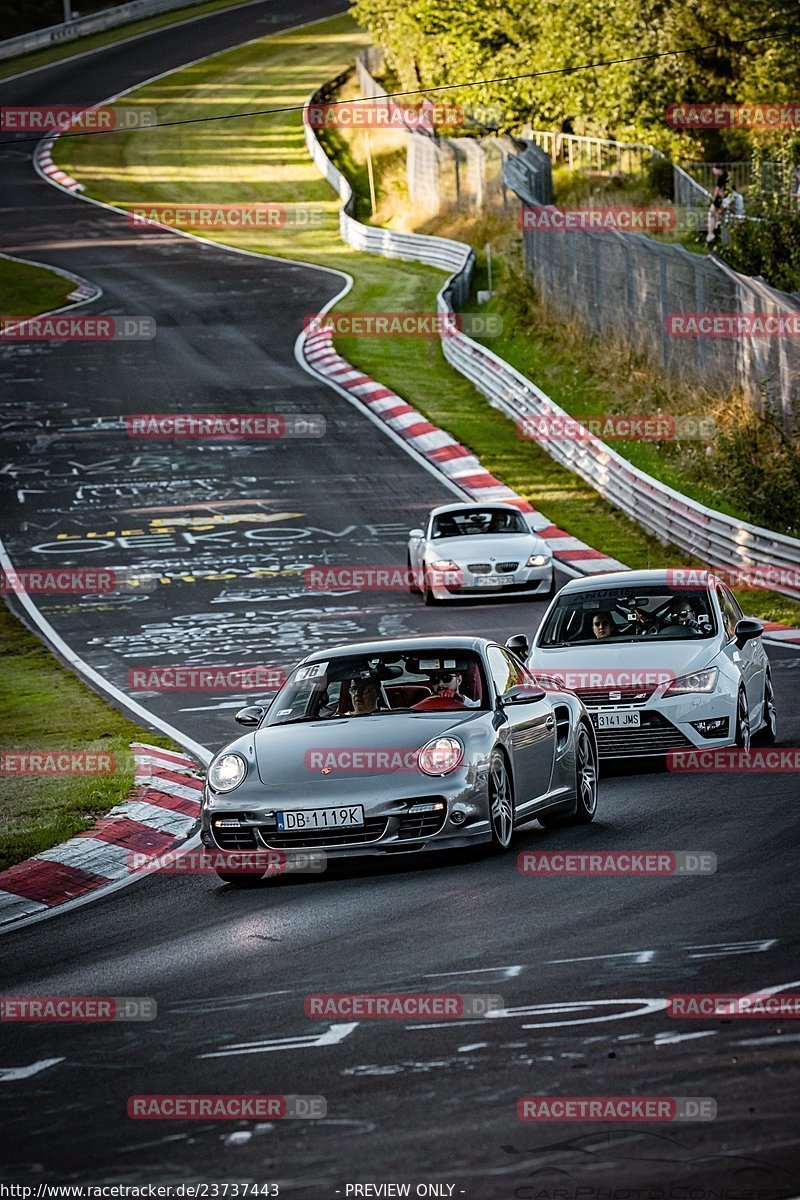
(371, 831)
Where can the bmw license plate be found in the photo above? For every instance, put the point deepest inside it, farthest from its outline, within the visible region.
(619, 719)
(322, 818)
(493, 581)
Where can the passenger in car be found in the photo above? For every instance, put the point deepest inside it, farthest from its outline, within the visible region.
(365, 695)
(602, 625)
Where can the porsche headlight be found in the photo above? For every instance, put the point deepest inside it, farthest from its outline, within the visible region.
(698, 681)
(441, 756)
(538, 560)
(227, 772)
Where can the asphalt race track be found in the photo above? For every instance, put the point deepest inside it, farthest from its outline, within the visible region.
(580, 963)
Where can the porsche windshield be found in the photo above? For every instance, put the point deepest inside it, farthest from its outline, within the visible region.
(379, 684)
(471, 522)
(628, 614)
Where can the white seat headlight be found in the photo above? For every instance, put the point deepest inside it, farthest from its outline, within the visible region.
(698, 681)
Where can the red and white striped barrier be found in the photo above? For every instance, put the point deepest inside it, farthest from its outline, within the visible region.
(444, 453)
(161, 812)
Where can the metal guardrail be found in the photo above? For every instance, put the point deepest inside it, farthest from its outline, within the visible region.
(56, 35)
(708, 535)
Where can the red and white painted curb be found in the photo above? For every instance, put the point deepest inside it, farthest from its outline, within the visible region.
(444, 453)
(775, 632)
(43, 158)
(161, 812)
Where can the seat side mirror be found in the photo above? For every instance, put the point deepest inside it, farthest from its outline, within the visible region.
(417, 533)
(746, 630)
(252, 715)
(520, 645)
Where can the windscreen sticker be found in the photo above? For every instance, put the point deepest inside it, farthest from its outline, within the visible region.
(312, 671)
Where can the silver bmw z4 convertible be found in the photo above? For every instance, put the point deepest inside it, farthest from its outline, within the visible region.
(389, 747)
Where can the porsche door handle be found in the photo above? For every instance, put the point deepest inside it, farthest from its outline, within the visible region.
(550, 723)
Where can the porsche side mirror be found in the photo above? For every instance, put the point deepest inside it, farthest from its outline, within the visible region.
(746, 630)
(518, 644)
(417, 533)
(522, 694)
(251, 716)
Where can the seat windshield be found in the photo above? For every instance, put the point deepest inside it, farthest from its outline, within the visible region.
(628, 614)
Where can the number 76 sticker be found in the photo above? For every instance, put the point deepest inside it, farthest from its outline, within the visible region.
(312, 671)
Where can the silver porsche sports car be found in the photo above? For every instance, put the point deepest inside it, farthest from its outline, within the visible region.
(395, 746)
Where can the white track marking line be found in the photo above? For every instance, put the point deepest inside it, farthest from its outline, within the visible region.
(331, 1037)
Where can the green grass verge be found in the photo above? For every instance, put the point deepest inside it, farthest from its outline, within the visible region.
(263, 159)
(50, 54)
(44, 707)
(26, 290)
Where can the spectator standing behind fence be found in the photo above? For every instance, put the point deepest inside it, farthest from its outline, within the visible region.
(796, 187)
(732, 210)
(719, 178)
(714, 222)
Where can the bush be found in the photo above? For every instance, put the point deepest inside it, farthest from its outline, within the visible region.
(660, 177)
(769, 247)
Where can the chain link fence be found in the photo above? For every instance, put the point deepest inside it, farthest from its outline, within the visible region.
(447, 173)
(628, 286)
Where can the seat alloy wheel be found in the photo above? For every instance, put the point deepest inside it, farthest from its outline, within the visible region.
(742, 722)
